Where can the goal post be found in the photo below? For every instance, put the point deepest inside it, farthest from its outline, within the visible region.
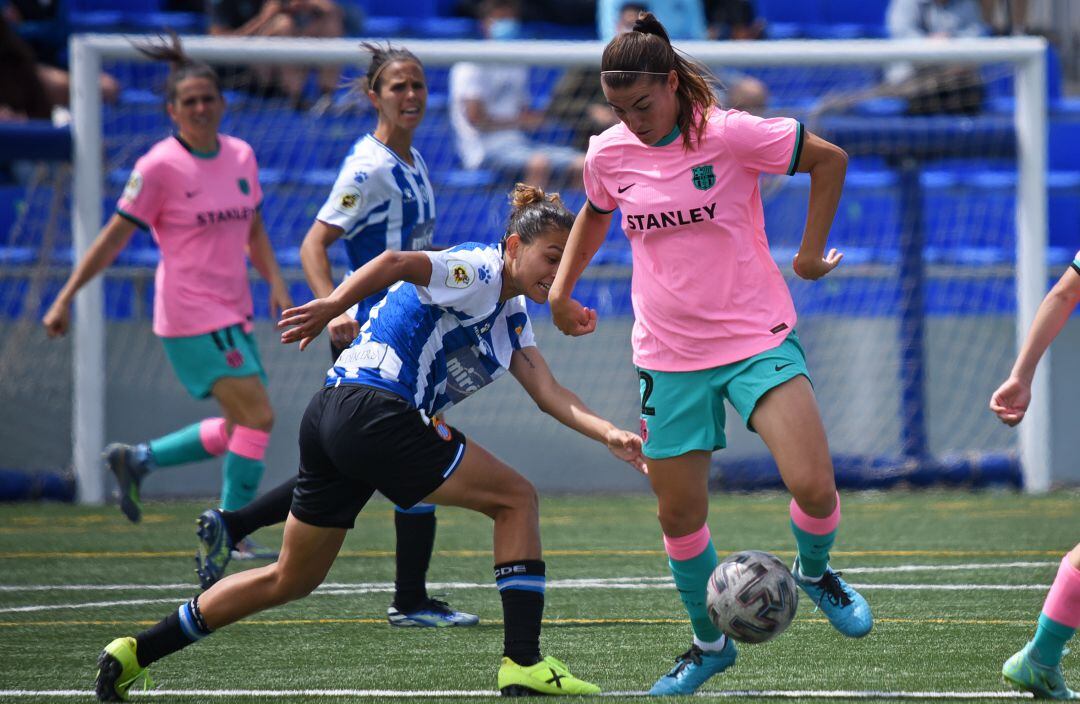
(1024, 56)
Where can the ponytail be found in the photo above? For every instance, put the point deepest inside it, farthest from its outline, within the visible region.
(181, 66)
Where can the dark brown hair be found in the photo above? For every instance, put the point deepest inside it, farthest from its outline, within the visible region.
(381, 57)
(648, 49)
(168, 48)
(534, 213)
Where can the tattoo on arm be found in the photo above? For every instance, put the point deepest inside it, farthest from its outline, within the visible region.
(526, 358)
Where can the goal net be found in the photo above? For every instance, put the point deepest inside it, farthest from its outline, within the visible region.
(943, 224)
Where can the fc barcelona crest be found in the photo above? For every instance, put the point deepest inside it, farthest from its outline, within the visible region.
(703, 177)
(243, 184)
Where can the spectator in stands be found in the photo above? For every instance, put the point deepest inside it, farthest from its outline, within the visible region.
(578, 100)
(279, 18)
(733, 19)
(684, 19)
(936, 89)
(22, 95)
(1005, 17)
(30, 87)
(491, 107)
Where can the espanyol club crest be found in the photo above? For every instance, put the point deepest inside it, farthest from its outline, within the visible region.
(703, 177)
(441, 428)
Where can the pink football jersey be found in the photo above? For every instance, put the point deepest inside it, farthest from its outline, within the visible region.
(199, 209)
(705, 289)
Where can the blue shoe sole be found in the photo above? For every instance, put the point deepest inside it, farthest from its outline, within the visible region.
(210, 536)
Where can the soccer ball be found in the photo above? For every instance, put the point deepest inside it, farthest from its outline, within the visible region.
(751, 596)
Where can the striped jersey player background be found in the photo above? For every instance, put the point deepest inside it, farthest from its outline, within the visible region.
(381, 203)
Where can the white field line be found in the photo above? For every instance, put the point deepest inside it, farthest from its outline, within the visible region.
(579, 584)
(420, 694)
(565, 583)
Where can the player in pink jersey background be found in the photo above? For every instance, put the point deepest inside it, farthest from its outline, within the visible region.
(713, 316)
(1037, 666)
(198, 193)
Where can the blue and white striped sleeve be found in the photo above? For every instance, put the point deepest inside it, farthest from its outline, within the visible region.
(358, 191)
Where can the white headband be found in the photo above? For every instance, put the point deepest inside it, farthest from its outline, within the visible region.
(649, 73)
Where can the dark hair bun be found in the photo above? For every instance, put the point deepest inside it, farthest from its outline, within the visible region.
(525, 195)
(646, 23)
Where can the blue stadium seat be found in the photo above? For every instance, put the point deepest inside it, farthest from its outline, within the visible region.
(841, 30)
(119, 299)
(1064, 138)
(790, 85)
(385, 26)
(555, 31)
(12, 199)
(446, 28)
(801, 12)
(784, 30)
(864, 12)
(411, 9)
(147, 75)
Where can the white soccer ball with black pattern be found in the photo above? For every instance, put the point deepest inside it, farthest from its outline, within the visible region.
(751, 596)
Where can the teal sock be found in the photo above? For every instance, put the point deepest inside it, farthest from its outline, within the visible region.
(240, 481)
(691, 577)
(1049, 641)
(813, 551)
(181, 447)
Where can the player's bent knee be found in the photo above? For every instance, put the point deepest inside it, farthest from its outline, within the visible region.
(817, 499)
(290, 587)
(525, 496)
(260, 417)
(677, 522)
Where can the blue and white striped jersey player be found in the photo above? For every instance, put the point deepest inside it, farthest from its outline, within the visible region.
(381, 200)
(373, 427)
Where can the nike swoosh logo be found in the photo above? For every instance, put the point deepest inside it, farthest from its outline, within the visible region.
(627, 187)
(778, 367)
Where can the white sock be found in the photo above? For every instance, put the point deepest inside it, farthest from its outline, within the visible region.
(809, 580)
(711, 647)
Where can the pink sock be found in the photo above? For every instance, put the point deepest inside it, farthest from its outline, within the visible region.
(815, 526)
(688, 547)
(1063, 601)
(214, 436)
(249, 443)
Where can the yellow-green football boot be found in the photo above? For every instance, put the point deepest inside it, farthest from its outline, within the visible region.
(118, 669)
(549, 676)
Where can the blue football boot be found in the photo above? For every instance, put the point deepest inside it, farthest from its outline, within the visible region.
(1025, 672)
(693, 668)
(215, 547)
(129, 473)
(432, 613)
(845, 608)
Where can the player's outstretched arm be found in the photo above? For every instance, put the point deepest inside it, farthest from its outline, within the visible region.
(531, 370)
(304, 323)
(319, 274)
(264, 261)
(588, 233)
(827, 165)
(1010, 401)
(109, 243)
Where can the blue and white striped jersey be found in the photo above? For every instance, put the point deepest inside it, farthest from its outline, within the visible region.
(435, 345)
(381, 203)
